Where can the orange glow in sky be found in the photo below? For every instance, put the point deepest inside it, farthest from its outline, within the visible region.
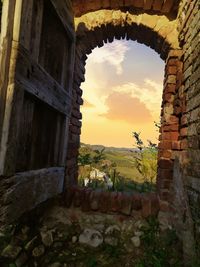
(122, 93)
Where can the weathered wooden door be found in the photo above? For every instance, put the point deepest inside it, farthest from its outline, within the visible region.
(36, 69)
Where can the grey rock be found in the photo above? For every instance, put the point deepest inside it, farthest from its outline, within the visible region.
(47, 238)
(112, 230)
(138, 233)
(112, 234)
(91, 238)
(38, 251)
(164, 219)
(11, 251)
(74, 239)
(136, 241)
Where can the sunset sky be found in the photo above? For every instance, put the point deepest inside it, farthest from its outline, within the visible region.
(122, 93)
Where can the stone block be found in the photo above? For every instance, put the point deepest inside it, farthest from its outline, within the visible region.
(165, 154)
(183, 131)
(155, 207)
(164, 206)
(94, 200)
(176, 145)
(78, 197)
(165, 164)
(168, 97)
(165, 174)
(104, 202)
(85, 205)
(146, 206)
(184, 144)
(126, 204)
(136, 202)
(114, 202)
(171, 70)
(165, 144)
(170, 88)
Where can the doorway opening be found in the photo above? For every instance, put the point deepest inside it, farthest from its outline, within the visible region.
(122, 96)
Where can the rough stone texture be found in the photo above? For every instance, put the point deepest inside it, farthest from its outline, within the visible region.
(91, 238)
(78, 238)
(166, 7)
(181, 213)
(143, 28)
(189, 17)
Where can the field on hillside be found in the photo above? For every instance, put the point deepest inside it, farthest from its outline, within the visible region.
(124, 164)
(118, 165)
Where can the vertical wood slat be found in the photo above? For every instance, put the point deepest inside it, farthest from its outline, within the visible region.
(6, 47)
(25, 119)
(26, 23)
(36, 29)
(11, 95)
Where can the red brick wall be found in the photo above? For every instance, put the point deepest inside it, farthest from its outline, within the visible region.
(129, 204)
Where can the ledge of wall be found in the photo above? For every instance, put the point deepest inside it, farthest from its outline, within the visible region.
(24, 191)
(129, 204)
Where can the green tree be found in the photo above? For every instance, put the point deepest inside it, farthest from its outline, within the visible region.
(98, 156)
(146, 159)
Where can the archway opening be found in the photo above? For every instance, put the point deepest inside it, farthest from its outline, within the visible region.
(122, 96)
(155, 31)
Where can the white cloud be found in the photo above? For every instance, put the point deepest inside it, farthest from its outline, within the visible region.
(113, 53)
(150, 94)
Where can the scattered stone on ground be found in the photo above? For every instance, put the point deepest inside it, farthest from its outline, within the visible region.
(71, 238)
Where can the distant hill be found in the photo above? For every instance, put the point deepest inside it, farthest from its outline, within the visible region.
(110, 148)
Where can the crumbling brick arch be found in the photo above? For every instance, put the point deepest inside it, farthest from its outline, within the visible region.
(167, 7)
(158, 32)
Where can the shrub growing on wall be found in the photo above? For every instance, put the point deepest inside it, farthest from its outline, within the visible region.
(145, 159)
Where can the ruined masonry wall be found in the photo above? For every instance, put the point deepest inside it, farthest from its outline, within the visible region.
(128, 204)
(189, 27)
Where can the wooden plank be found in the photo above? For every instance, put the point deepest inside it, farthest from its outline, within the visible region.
(36, 29)
(34, 79)
(29, 189)
(65, 13)
(12, 96)
(25, 140)
(26, 23)
(11, 127)
(6, 47)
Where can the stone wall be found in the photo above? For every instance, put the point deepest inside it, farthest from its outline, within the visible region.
(189, 28)
(171, 142)
(160, 7)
